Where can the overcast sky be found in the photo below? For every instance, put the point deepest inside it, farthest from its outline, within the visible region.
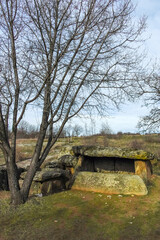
(127, 118)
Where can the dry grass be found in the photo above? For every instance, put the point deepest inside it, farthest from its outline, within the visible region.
(151, 143)
(4, 195)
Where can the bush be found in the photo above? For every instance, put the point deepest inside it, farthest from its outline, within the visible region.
(136, 144)
(152, 138)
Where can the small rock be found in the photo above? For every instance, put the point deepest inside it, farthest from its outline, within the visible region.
(39, 195)
(109, 196)
(120, 196)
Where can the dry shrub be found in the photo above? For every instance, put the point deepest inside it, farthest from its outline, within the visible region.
(152, 138)
(157, 154)
(105, 142)
(91, 140)
(136, 144)
(95, 140)
(4, 195)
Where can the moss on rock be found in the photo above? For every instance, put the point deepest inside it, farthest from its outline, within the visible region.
(96, 151)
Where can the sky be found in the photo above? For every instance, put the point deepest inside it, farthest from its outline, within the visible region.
(127, 118)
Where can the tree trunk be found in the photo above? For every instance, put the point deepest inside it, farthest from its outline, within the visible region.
(12, 171)
(28, 180)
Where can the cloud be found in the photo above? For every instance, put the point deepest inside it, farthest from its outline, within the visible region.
(126, 123)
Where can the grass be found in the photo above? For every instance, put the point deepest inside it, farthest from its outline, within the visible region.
(76, 215)
(151, 143)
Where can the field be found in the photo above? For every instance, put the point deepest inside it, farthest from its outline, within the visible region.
(76, 215)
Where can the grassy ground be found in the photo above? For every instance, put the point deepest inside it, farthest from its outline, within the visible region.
(76, 215)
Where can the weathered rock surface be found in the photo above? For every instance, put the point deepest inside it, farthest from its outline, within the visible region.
(96, 151)
(143, 169)
(64, 150)
(62, 162)
(68, 160)
(47, 174)
(53, 164)
(22, 166)
(110, 183)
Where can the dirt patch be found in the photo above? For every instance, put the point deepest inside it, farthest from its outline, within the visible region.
(4, 195)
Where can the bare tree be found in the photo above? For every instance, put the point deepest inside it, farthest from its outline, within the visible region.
(77, 130)
(64, 56)
(105, 129)
(151, 92)
(26, 130)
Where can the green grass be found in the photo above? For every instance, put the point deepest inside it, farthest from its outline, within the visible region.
(76, 215)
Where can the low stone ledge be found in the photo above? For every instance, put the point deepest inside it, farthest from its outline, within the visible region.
(47, 174)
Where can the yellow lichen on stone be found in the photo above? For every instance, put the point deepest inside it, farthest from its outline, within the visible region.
(143, 169)
(79, 163)
(71, 169)
(140, 169)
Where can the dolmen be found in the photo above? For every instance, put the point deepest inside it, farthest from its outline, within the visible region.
(97, 169)
(112, 170)
(91, 168)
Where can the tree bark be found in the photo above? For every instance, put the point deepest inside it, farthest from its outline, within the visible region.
(12, 171)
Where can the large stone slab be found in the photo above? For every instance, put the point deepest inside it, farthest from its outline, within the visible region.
(24, 165)
(96, 151)
(143, 169)
(110, 183)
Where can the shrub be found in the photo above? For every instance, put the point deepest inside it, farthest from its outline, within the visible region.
(136, 144)
(152, 138)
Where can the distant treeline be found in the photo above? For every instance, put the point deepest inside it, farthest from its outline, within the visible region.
(27, 130)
